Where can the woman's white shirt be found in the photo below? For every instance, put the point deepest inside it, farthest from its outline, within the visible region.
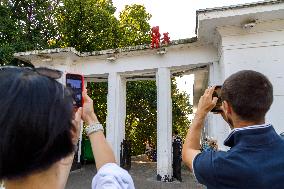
(111, 176)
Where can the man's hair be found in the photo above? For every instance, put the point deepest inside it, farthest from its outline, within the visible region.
(249, 93)
(35, 122)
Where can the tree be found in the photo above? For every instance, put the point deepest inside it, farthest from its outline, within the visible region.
(134, 26)
(88, 25)
(98, 92)
(141, 111)
(26, 25)
(8, 33)
(141, 120)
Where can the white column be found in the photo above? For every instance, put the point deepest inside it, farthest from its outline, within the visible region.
(164, 125)
(116, 112)
(218, 129)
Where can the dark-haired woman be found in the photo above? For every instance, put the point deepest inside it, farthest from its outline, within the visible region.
(39, 131)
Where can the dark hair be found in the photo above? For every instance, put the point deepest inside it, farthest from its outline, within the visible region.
(249, 93)
(175, 132)
(35, 122)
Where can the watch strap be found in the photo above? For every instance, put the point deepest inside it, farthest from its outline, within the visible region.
(92, 128)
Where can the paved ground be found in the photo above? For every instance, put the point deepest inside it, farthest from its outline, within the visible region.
(142, 172)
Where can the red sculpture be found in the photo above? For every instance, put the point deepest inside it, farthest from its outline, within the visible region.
(166, 38)
(155, 34)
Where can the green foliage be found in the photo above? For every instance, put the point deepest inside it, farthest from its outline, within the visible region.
(91, 25)
(134, 26)
(141, 114)
(98, 92)
(6, 53)
(8, 33)
(26, 25)
(88, 25)
(141, 111)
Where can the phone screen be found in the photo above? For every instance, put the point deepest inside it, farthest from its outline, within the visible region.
(74, 82)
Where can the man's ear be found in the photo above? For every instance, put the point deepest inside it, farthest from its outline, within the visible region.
(227, 108)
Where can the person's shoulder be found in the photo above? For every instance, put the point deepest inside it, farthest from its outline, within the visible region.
(210, 157)
(205, 163)
(212, 160)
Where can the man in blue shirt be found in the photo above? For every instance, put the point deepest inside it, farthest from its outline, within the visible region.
(256, 156)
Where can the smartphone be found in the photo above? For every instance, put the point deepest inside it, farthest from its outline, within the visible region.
(75, 82)
(217, 93)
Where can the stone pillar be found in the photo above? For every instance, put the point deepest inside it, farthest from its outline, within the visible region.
(116, 112)
(164, 125)
(218, 129)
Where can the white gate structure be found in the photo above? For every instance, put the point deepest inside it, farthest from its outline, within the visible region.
(229, 39)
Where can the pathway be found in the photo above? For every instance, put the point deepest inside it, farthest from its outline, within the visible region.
(143, 173)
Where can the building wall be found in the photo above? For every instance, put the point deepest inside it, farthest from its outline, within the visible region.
(260, 49)
(269, 61)
(217, 129)
(185, 55)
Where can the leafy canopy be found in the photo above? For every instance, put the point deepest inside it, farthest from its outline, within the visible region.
(88, 25)
(134, 26)
(26, 25)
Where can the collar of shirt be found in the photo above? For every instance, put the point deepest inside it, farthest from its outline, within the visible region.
(251, 135)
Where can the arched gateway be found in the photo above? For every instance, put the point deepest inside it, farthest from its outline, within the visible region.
(229, 39)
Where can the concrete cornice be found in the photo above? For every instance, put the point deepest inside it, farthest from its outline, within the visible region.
(236, 10)
(102, 52)
(247, 5)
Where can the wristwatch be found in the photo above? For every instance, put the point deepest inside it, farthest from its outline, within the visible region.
(92, 128)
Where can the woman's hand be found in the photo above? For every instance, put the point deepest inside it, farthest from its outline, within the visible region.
(88, 114)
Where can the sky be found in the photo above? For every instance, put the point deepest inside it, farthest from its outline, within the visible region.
(176, 16)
